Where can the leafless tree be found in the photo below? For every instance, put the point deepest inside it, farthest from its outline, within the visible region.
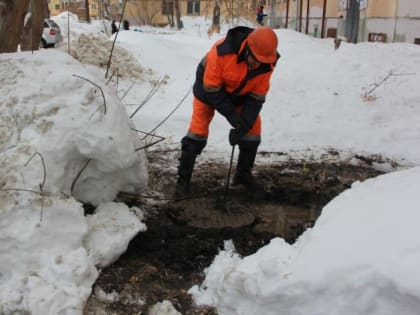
(12, 15)
(47, 13)
(179, 24)
(87, 13)
(105, 9)
(34, 25)
(169, 9)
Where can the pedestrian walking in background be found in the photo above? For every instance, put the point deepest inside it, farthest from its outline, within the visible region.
(114, 28)
(260, 15)
(126, 25)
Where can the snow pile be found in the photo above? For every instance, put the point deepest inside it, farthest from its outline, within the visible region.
(67, 129)
(61, 137)
(358, 259)
(94, 50)
(323, 97)
(70, 22)
(91, 43)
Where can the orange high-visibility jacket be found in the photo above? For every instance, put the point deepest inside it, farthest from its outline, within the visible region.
(224, 81)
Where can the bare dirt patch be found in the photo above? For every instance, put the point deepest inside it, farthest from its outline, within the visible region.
(170, 257)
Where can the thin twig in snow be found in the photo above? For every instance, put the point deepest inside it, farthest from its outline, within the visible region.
(115, 39)
(43, 166)
(386, 78)
(149, 95)
(20, 189)
(117, 72)
(41, 186)
(170, 114)
(102, 92)
(128, 90)
(78, 175)
(149, 144)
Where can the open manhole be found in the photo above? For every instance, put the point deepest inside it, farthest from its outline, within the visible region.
(206, 213)
(182, 238)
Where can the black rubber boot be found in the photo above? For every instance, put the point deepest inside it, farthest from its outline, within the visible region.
(185, 169)
(243, 174)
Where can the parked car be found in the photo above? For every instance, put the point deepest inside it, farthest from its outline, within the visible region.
(51, 34)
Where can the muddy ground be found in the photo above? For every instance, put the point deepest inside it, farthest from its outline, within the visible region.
(183, 237)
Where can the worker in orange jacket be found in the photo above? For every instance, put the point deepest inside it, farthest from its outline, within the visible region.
(233, 79)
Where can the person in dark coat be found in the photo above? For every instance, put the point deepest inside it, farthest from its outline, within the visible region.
(114, 28)
(126, 25)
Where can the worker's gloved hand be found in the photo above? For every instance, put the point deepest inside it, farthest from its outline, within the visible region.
(234, 136)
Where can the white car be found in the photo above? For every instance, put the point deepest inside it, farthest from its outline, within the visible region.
(51, 34)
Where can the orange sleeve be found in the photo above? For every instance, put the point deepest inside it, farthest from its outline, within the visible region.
(213, 74)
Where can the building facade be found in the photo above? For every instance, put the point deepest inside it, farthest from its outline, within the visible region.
(355, 20)
(374, 20)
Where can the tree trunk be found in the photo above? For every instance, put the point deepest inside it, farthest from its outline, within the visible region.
(32, 30)
(87, 13)
(170, 20)
(12, 14)
(106, 10)
(179, 23)
(216, 15)
(47, 13)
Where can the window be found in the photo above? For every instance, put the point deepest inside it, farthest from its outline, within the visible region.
(167, 7)
(193, 7)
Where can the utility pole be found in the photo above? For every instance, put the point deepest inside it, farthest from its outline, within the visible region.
(272, 14)
(352, 20)
(300, 15)
(324, 10)
(396, 20)
(307, 16)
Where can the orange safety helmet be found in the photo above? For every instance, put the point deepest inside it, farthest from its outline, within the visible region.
(263, 44)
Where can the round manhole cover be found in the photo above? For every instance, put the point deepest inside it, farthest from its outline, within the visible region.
(212, 214)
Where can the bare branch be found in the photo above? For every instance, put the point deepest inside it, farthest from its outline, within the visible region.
(115, 39)
(386, 78)
(93, 83)
(41, 186)
(149, 95)
(147, 133)
(20, 189)
(151, 135)
(173, 111)
(78, 175)
(93, 114)
(115, 72)
(43, 165)
(128, 90)
(41, 193)
(149, 145)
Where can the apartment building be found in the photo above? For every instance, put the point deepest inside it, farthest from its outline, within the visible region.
(355, 20)
(98, 9)
(55, 7)
(358, 20)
